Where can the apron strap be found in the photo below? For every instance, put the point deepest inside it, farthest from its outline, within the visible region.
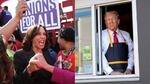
(123, 36)
(110, 39)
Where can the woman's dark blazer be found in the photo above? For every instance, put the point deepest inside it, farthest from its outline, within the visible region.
(21, 59)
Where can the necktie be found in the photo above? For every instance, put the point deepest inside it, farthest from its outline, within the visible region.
(115, 37)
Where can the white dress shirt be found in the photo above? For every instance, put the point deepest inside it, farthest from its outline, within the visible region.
(105, 44)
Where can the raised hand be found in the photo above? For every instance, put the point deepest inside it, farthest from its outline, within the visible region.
(20, 8)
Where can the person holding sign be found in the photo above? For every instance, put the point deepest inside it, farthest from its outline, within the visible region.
(10, 27)
(6, 66)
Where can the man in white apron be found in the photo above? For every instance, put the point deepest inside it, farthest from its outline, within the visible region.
(117, 47)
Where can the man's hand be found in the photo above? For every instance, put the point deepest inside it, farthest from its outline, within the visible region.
(128, 71)
(116, 73)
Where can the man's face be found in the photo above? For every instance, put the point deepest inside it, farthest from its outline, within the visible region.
(112, 21)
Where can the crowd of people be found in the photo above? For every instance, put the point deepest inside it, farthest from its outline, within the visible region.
(35, 62)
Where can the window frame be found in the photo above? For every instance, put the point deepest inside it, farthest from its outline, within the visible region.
(95, 77)
(80, 14)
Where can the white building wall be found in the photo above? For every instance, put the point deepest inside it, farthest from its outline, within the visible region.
(88, 3)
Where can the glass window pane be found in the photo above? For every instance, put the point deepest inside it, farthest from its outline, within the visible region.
(84, 42)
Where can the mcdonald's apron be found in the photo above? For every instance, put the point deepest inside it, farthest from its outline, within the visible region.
(117, 56)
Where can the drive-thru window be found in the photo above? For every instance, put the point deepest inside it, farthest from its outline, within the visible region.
(89, 26)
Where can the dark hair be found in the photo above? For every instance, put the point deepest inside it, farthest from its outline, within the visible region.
(67, 33)
(6, 65)
(9, 42)
(6, 7)
(31, 33)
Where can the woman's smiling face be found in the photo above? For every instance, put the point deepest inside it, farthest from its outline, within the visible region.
(39, 40)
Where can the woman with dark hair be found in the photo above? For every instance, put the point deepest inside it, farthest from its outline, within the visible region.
(6, 65)
(66, 74)
(35, 41)
(32, 32)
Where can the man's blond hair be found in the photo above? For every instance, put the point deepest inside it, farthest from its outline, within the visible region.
(112, 12)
